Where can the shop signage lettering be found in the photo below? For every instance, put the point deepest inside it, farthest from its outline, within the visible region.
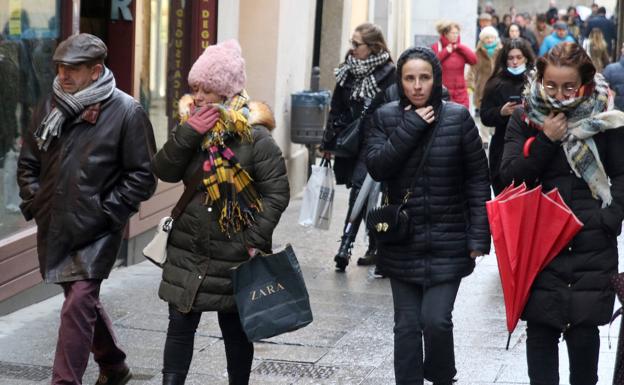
(205, 33)
(178, 43)
(121, 7)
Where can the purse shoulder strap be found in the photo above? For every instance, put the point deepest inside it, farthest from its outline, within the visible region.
(187, 195)
(421, 165)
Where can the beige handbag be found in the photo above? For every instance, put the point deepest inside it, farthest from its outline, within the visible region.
(156, 250)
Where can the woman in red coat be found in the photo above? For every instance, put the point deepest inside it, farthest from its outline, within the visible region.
(454, 56)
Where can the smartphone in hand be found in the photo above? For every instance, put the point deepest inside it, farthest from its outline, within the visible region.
(515, 99)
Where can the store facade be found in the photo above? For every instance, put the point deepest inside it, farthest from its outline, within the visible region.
(151, 47)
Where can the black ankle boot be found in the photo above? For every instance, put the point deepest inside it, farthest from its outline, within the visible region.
(370, 258)
(173, 379)
(451, 382)
(344, 253)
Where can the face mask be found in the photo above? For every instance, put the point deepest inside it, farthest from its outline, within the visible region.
(518, 70)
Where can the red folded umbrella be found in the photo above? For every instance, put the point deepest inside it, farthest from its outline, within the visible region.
(529, 228)
(503, 255)
(572, 226)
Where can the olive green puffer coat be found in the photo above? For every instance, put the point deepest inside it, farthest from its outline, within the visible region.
(197, 274)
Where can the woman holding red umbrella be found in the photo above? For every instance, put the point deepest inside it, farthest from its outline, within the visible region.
(567, 137)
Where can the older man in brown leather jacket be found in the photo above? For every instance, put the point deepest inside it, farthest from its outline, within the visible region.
(82, 173)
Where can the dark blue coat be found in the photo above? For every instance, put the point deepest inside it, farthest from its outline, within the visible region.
(614, 73)
(607, 27)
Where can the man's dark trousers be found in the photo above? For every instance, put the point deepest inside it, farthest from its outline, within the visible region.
(85, 328)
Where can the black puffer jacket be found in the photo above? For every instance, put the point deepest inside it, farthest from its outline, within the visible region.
(344, 110)
(83, 189)
(447, 206)
(496, 93)
(200, 258)
(574, 288)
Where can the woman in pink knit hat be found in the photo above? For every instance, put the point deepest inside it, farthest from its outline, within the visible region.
(241, 189)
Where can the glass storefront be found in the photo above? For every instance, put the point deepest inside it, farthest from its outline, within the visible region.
(28, 37)
(159, 37)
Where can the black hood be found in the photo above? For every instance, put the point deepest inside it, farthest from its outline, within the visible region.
(428, 55)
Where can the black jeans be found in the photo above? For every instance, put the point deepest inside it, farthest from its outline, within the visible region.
(181, 337)
(543, 354)
(423, 312)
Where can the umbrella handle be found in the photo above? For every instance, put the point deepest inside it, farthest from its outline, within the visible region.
(617, 313)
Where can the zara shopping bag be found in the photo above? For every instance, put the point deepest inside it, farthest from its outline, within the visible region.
(271, 295)
(318, 197)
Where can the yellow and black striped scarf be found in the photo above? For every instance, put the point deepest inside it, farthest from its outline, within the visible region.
(227, 184)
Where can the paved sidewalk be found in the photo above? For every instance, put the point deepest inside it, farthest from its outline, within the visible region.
(349, 342)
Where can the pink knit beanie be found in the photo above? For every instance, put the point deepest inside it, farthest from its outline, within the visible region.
(220, 69)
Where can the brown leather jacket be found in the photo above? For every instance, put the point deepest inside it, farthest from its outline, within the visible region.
(83, 189)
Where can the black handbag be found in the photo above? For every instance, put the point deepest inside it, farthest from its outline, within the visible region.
(348, 140)
(390, 223)
(346, 143)
(271, 296)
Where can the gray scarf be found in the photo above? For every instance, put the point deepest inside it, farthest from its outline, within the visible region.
(69, 106)
(364, 84)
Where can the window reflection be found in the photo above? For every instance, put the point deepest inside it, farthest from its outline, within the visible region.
(29, 31)
(159, 34)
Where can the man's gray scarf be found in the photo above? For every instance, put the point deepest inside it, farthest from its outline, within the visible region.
(588, 115)
(364, 84)
(69, 106)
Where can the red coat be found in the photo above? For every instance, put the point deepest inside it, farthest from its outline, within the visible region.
(453, 68)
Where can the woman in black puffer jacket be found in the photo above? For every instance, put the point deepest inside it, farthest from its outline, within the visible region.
(361, 81)
(566, 138)
(449, 226)
(501, 97)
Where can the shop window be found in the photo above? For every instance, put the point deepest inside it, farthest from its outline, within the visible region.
(158, 47)
(29, 33)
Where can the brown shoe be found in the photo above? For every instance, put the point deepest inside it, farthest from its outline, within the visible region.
(114, 378)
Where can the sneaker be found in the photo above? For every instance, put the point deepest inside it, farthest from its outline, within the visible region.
(114, 378)
(377, 273)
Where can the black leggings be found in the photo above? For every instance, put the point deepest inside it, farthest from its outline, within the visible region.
(181, 337)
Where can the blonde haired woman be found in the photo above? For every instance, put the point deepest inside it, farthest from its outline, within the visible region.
(454, 56)
(596, 47)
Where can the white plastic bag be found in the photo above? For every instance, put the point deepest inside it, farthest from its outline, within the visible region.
(10, 187)
(318, 197)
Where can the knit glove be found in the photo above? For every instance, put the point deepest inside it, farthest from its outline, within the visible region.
(203, 119)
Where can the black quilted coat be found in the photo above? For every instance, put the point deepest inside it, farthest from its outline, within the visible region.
(447, 206)
(344, 110)
(574, 288)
